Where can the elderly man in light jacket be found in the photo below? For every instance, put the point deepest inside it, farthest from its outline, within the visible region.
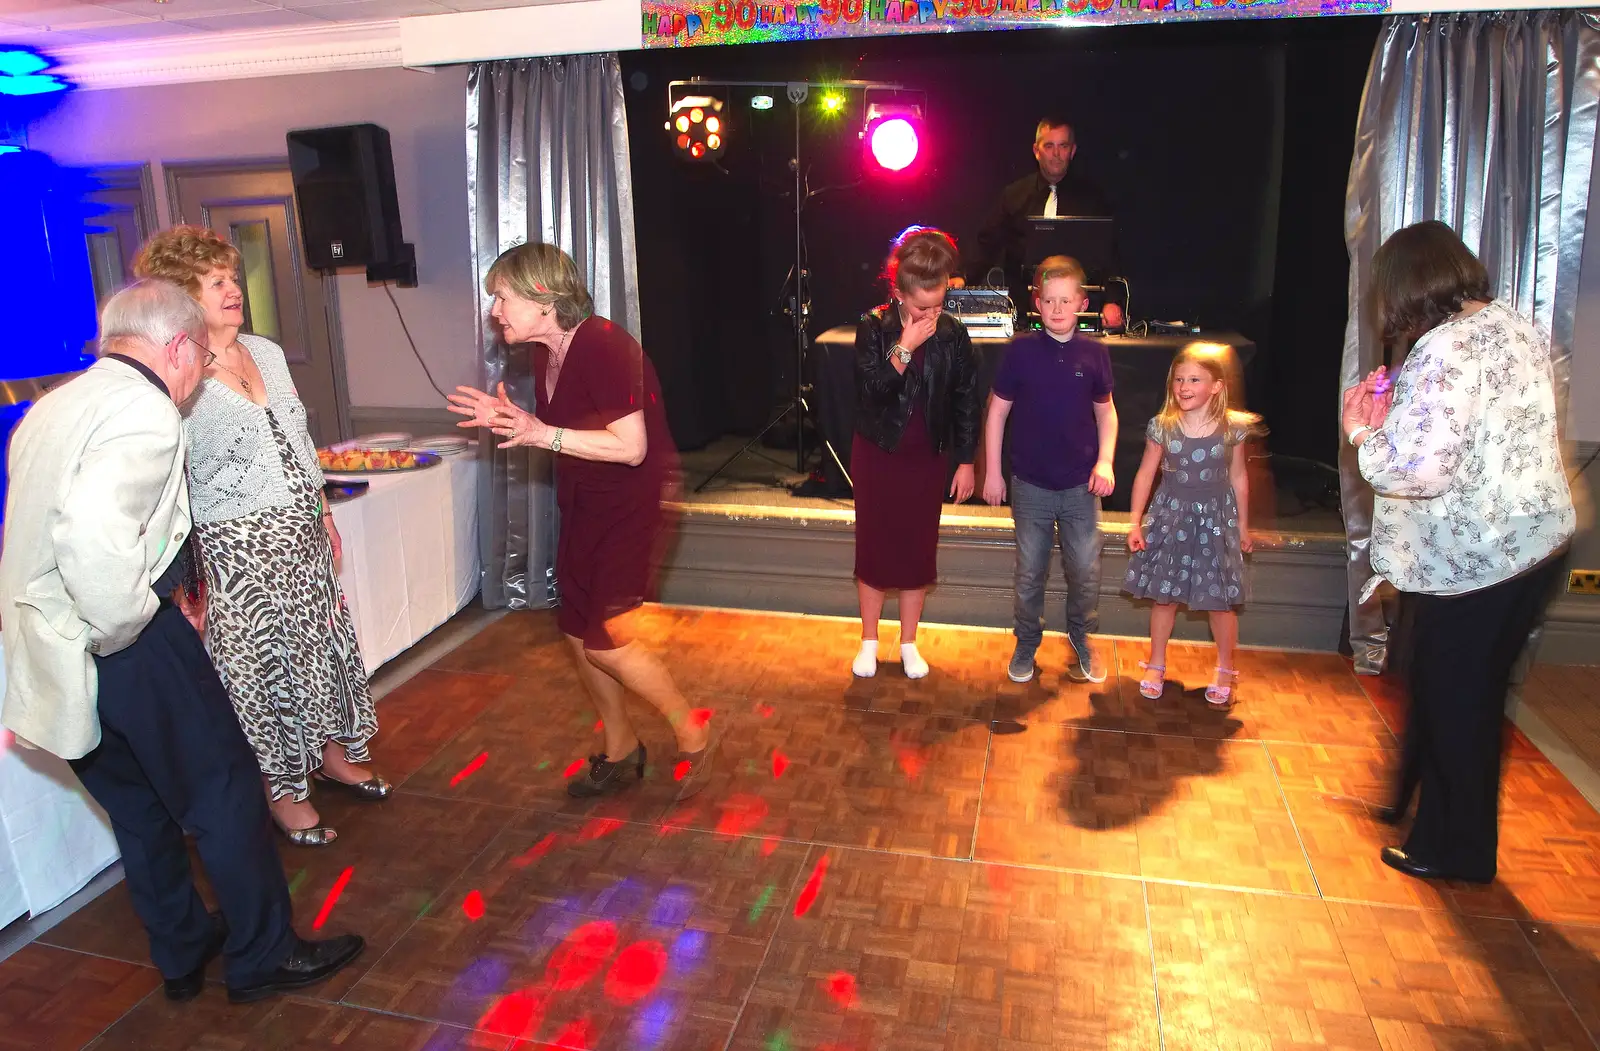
(103, 669)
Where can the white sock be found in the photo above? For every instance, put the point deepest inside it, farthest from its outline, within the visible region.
(912, 661)
(865, 666)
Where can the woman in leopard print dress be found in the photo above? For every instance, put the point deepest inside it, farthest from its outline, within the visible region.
(276, 621)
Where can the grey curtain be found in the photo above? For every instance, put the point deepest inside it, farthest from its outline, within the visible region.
(547, 160)
(1486, 122)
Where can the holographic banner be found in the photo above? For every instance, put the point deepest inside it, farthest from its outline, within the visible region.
(685, 23)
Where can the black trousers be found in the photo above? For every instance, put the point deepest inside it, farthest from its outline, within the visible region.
(1463, 649)
(172, 757)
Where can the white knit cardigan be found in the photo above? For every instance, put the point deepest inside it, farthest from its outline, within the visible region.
(234, 468)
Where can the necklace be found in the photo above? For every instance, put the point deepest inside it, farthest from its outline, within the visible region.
(558, 360)
(243, 381)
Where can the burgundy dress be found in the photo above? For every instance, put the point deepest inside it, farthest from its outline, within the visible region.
(899, 497)
(613, 527)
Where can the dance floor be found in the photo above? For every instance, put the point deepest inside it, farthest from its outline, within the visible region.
(956, 863)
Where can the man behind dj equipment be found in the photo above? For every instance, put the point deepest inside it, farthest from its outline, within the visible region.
(1051, 191)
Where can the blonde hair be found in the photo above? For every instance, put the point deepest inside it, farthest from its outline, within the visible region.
(1219, 361)
(543, 273)
(185, 254)
(1055, 268)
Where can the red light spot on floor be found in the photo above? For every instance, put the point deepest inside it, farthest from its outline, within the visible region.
(332, 899)
(470, 769)
(764, 710)
(910, 760)
(473, 906)
(740, 814)
(808, 893)
(999, 878)
(598, 828)
(535, 852)
(841, 987)
(576, 1036)
(768, 845)
(581, 955)
(636, 972)
(780, 763)
(700, 717)
(572, 771)
(681, 771)
(599, 725)
(515, 1014)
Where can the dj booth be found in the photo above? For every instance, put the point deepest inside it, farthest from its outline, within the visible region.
(1139, 374)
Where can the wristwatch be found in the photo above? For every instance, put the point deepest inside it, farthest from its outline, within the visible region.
(555, 443)
(902, 353)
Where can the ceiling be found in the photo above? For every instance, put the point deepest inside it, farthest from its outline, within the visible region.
(62, 23)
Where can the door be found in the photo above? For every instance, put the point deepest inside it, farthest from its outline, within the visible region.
(251, 203)
(125, 214)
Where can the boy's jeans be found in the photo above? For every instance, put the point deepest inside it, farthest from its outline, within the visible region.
(1041, 516)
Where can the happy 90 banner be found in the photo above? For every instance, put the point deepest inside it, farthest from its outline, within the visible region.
(685, 23)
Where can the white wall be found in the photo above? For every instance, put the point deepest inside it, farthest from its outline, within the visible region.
(424, 112)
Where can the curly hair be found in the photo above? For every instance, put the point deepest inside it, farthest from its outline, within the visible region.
(185, 254)
(543, 273)
(921, 258)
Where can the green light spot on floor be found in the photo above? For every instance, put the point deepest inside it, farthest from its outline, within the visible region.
(761, 903)
(542, 765)
(294, 884)
(778, 1041)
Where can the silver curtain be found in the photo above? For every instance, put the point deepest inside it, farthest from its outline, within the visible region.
(547, 160)
(1486, 122)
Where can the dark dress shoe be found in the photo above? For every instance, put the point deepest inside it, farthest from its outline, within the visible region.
(308, 963)
(1400, 861)
(188, 987)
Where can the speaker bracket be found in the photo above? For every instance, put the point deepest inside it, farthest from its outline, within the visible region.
(402, 271)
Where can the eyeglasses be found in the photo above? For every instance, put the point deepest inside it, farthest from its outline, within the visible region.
(209, 356)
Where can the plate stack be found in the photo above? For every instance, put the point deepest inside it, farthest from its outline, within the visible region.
(387, 442)
(442, 444)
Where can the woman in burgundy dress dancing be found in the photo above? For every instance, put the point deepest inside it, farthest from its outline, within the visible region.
(598, 408)
(916, 403)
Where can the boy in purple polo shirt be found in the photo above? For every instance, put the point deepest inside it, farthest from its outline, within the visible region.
(1055, 386)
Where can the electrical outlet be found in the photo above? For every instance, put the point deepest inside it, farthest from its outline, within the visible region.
(1584, 582)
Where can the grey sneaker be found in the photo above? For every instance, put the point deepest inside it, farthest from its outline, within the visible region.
(1085, 666)
(1021, 668)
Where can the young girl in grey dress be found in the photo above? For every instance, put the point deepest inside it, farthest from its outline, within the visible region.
(1187, 547)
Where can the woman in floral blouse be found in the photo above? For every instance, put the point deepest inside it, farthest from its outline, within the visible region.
(1472, 510)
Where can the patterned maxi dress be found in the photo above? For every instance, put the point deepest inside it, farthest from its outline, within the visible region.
(281, 635)
(1191, 528)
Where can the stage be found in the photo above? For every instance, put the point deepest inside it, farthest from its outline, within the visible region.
(746, 543)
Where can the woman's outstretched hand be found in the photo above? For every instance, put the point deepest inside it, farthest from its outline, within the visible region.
(478, 407)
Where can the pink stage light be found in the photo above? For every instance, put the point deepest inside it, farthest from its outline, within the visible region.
(894, 143)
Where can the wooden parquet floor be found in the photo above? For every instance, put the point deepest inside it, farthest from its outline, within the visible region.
(954, 864)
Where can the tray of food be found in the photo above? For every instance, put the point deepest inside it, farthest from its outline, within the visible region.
(373, 461)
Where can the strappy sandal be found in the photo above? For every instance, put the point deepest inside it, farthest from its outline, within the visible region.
(1152, 686)
(1219, 694)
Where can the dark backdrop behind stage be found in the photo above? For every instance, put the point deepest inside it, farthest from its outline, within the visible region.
(1223, 148)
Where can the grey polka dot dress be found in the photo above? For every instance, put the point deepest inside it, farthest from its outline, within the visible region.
(1191, 527)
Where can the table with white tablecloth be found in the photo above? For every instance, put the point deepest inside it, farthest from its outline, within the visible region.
(410, 564)
(410, 553)
(53, 837)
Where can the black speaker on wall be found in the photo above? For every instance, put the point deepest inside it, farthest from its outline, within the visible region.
(349, 213)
